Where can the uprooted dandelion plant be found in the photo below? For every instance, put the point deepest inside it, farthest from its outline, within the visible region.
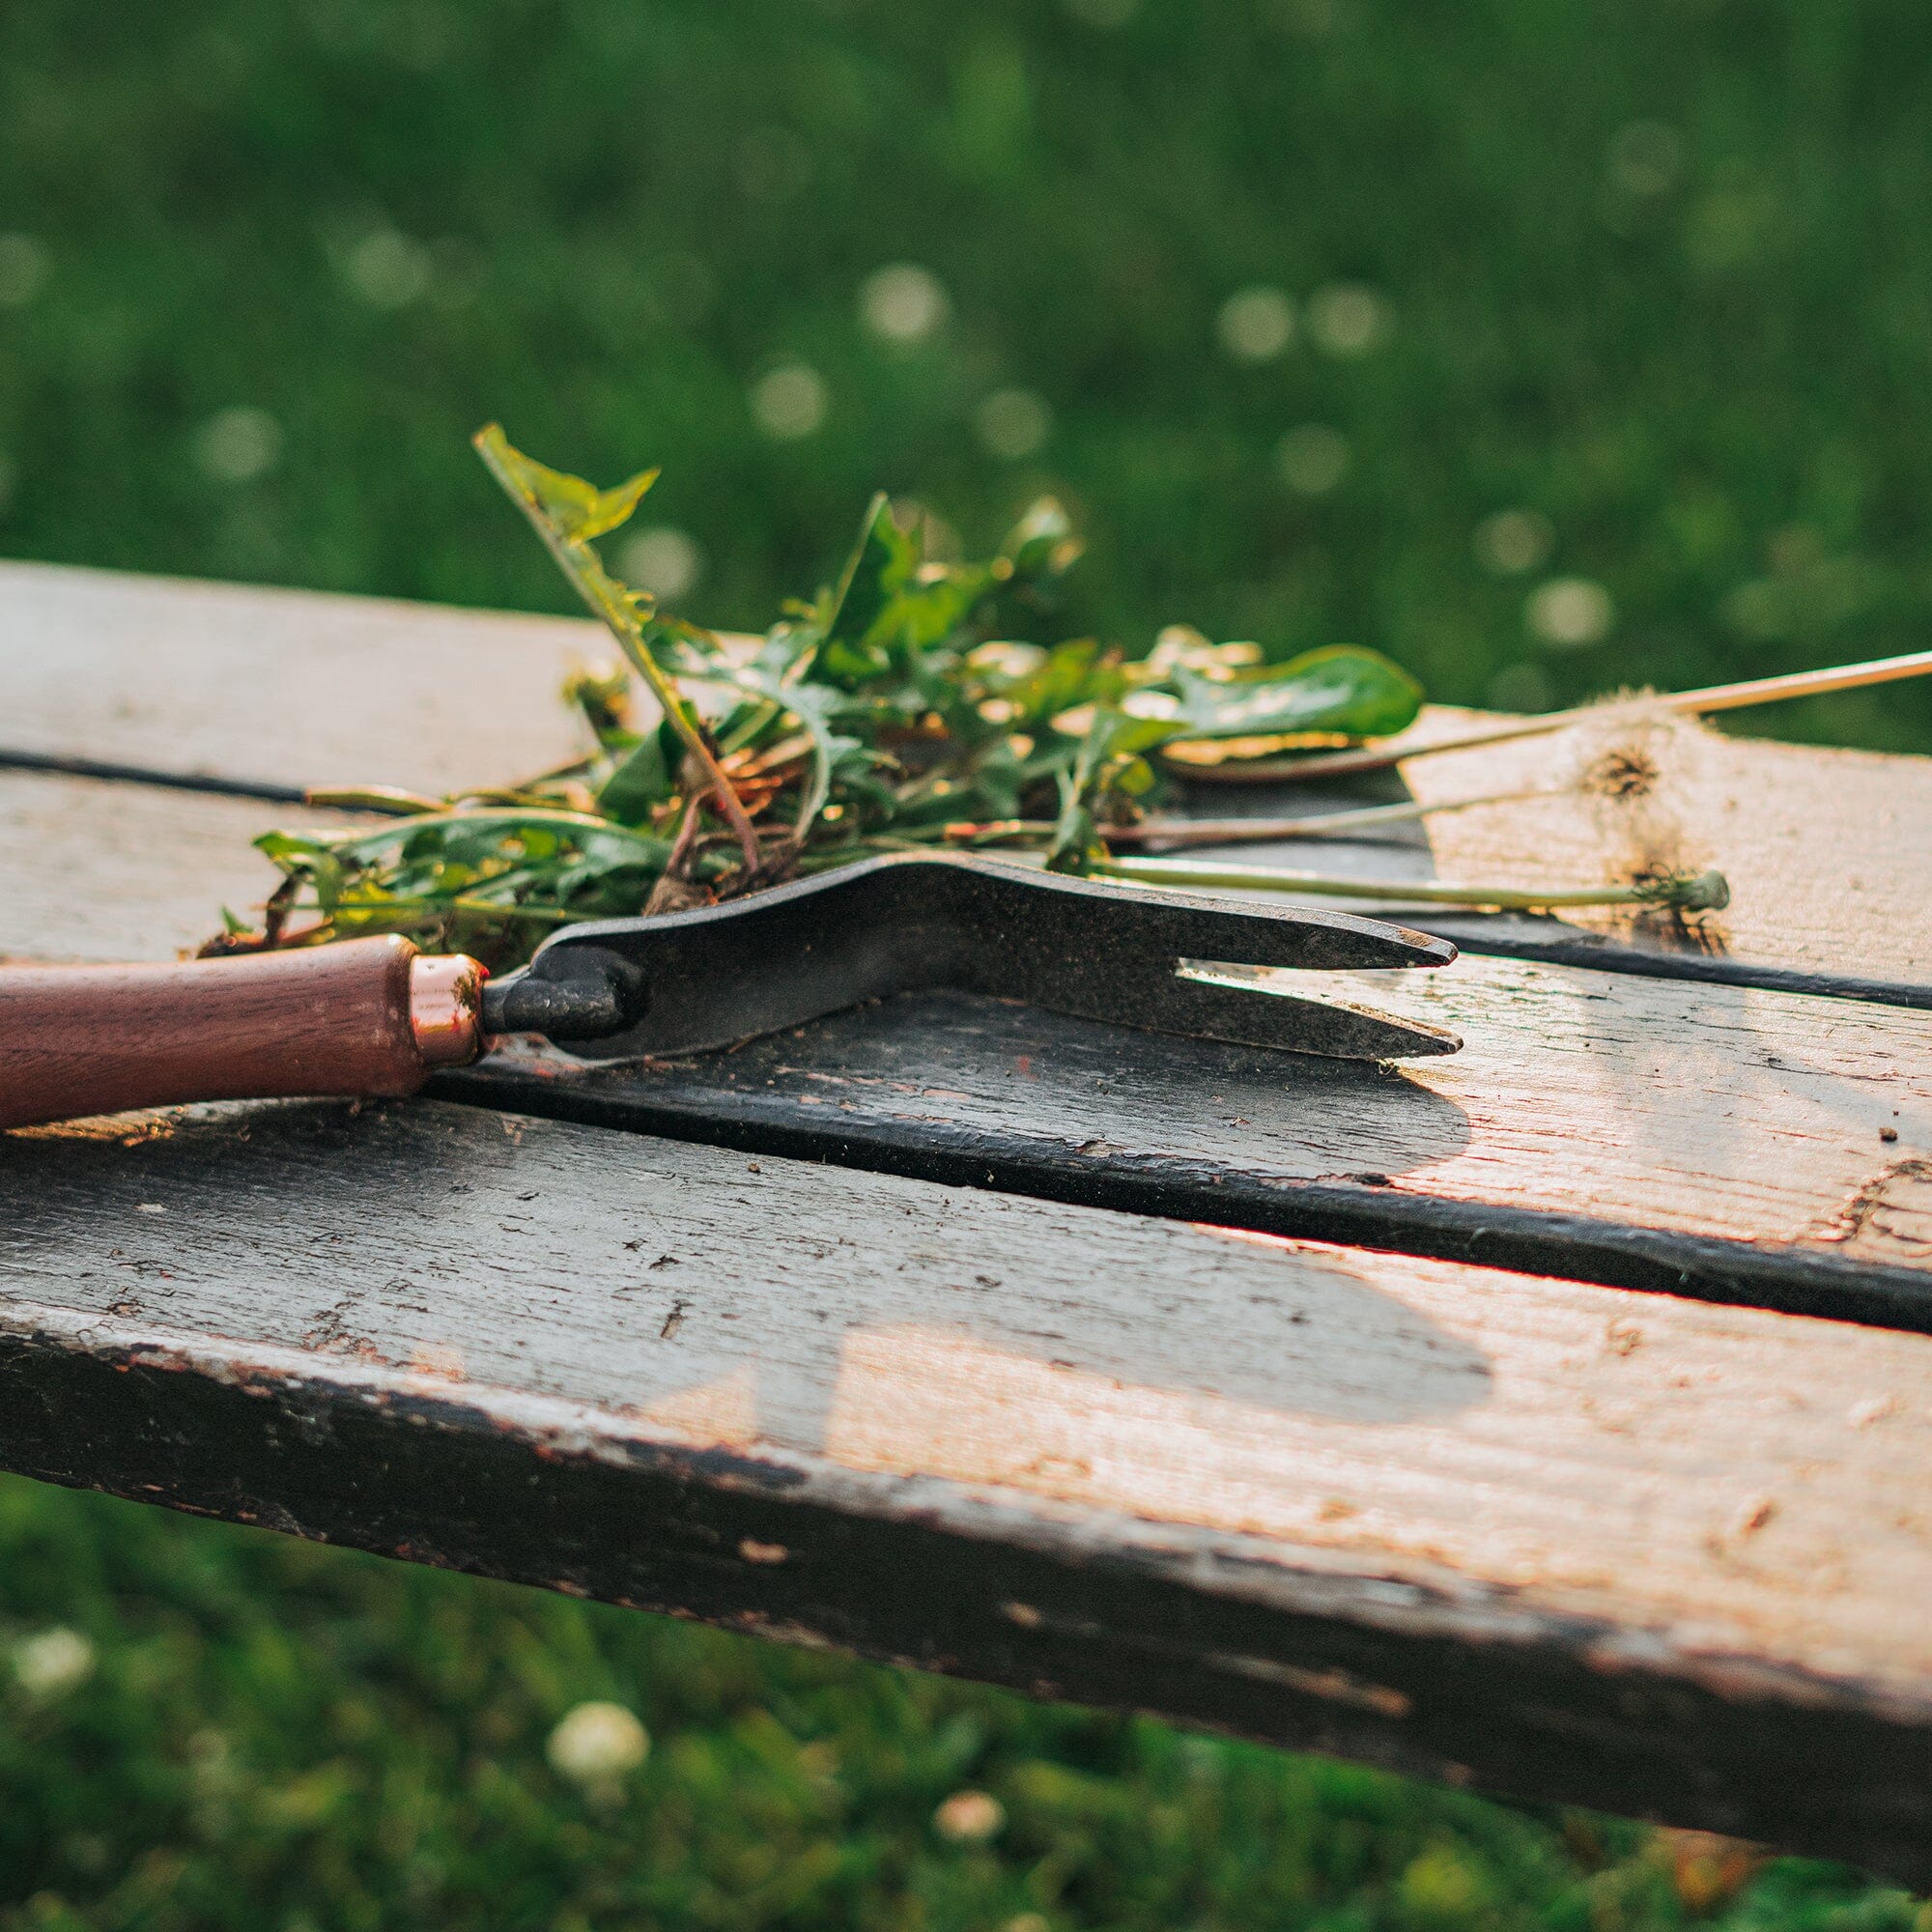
(908, 704)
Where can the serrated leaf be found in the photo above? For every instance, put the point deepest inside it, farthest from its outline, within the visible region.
(881, 564)
(1043, 542)
(913, 720)
(929, 611)
(1065, 676)
(1113, 743)
(648, 777)
(578, 509)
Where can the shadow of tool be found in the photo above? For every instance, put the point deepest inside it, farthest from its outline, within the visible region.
(667, 1282)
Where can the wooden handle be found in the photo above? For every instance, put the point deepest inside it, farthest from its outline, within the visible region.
(367, 1016)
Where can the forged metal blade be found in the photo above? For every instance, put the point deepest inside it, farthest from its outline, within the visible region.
(905, 922)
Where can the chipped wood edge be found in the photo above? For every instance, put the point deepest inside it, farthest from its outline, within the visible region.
(1466, 1684)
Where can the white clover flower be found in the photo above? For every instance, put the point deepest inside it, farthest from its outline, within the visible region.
(54, 1662)
(597, 1743)
(969, 1817)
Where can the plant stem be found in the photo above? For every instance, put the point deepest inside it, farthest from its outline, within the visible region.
(1175, 834)
(391, 800)
(622, 624)
(1696, 895)
(1710, 697)
(505, 817)
(483, 908)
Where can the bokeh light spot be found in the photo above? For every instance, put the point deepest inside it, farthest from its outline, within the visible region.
(773, 165)
(663, 560)
(1256, 324)
(904, 303)
(1511, 542)
(1348, 319)
(1569, 612)
(388, 269)
(790, 402)
(1645, 158)
(238, 444)
(24, 268)
(1013, 424)
(1520, 687)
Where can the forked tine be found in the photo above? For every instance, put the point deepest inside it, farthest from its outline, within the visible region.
(685, 982)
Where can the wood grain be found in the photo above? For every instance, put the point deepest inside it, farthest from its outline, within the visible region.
(81, 1041)
(1724, 1141)
(284, 686)
(1570, 1541)
(1560, 1540)
(1716, 1141)
(98, 871)
(1825, 849)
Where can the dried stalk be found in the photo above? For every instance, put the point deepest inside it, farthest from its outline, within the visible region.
(1700, 891)
(1710, 698)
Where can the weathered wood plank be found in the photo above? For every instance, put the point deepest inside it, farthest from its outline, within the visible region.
(1713, 1141)
(1722, 1140)
(1564, 1541)
(1825, 849)
(281, 686)
(109, 871)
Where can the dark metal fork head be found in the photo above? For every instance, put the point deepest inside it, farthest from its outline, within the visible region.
(682, 982)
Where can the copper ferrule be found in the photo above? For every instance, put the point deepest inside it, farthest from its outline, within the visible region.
(445, 1008)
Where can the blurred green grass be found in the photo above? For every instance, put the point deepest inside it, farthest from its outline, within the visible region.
(1651, 282)
(1657, 274)
(275, 1735)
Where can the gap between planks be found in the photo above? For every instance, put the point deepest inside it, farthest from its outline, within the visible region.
(1716, 1141)
(1826, 850)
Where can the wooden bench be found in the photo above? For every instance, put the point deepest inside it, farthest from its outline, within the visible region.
(1555, 1418)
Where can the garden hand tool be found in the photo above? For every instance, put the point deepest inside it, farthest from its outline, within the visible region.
(373, 1016)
